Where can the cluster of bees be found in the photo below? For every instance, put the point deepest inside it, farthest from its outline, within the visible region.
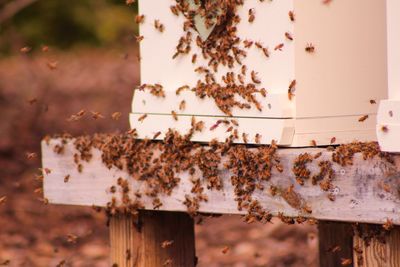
(222, 48)
(159, 165)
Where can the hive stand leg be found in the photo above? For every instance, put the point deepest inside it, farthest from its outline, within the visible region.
(335, 243)
(378, 254)
(137, 243)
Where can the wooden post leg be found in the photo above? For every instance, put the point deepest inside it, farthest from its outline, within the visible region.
(375, 253)
(138, 244)
(335, 244)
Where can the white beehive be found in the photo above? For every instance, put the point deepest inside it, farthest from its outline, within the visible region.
(336, 84)
(388, 125)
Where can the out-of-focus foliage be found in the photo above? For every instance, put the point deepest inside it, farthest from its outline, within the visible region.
(64, 24)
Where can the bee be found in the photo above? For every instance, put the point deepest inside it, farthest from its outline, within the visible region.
(225, 250)
(141, 118)
(32, 101)
(113, 189)
(167, 262)
(265, 51)
(159, 26)
(139, 38)
(45, 48)
(52, 65)
(346, 261)
(307, 209)
(180, 89)
(326, 2)
(310, 48)
(139, 19)
(257, 138)
(229, 129)
(167, 243)
(292, 87)
(372, 101)
(388, 225)
(390, 113)
(235, 122)
(116, 115)
(363, 118)
(254, 77)
(251, 15)
(157, 134)
(279, 47)
(194, 58)
(174, 115)
(3, 200)
(182, 105)
(333, 140)
(130, 2)
(244, 136)
(97, 115)
(247, 43)
(174, 10)
(25, 49)
(331, 197)
(289, 36)
(279, 168)
(244, 70)
(66, 178)
(291, 16)
(30, 155)
(71, 238)
(313, 143)
(384, 129)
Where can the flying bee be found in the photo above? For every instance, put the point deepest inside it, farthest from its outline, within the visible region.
(363, 118)
(291, 16)
(139, 19)
(310, 48)
(251, 15)
(279, 47)
(289, 36)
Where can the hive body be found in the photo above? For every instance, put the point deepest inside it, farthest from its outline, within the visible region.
(334, 84)
(388, 125)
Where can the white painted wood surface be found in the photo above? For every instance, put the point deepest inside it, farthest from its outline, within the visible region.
(359, 191)
(388, 122)
(346, 72)
(287, 132)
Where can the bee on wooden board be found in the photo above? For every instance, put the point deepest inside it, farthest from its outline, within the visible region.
(139, 19)
(251, 15)
(310, 48)
(291, 16)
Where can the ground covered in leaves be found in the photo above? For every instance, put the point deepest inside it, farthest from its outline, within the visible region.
(38, 94)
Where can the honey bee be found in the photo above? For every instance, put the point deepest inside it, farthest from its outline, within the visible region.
(333, 140)
(244, 70)
(225, 250)
(25, 49)
(180, 89)
(52, 65)
(372, 101)
(157, 134)
(244, 136)
(363, 118)
(384, 129)
(97, 115)
(30, 155)
(139, 19)
(174, 115)
(289, 36)
(141, 118)
(45, 48)
(66, 178)
(182, 105)
(257, 138)
(194, 58)
(159, 26)
(130, 2)
(292, 87)
(313, 143)
(174, 10)
(116, 115)
(388, 225)
(390, 113)
(167, 243)
(291, 16)
(310, 48)
(346, 261)
(247, 43)
(3, 200)
(254, 77)
(167, 262)
(326, 2)
(139, 38)
(279, 47)
(251, 15)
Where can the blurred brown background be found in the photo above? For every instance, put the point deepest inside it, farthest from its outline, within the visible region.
(57, 58)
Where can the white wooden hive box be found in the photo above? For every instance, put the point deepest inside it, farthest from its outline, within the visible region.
(388, 124)
(336, 84)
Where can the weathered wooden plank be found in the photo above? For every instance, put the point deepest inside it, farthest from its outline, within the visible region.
(153, 239)
(364, 192)
(335, 243)
(378, 253)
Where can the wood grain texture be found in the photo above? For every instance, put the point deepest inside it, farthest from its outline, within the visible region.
(378, 254)
(365, 191)
(335, 243)
(138, 244)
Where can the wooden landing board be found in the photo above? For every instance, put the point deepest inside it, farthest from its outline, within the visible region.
(366, 191)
